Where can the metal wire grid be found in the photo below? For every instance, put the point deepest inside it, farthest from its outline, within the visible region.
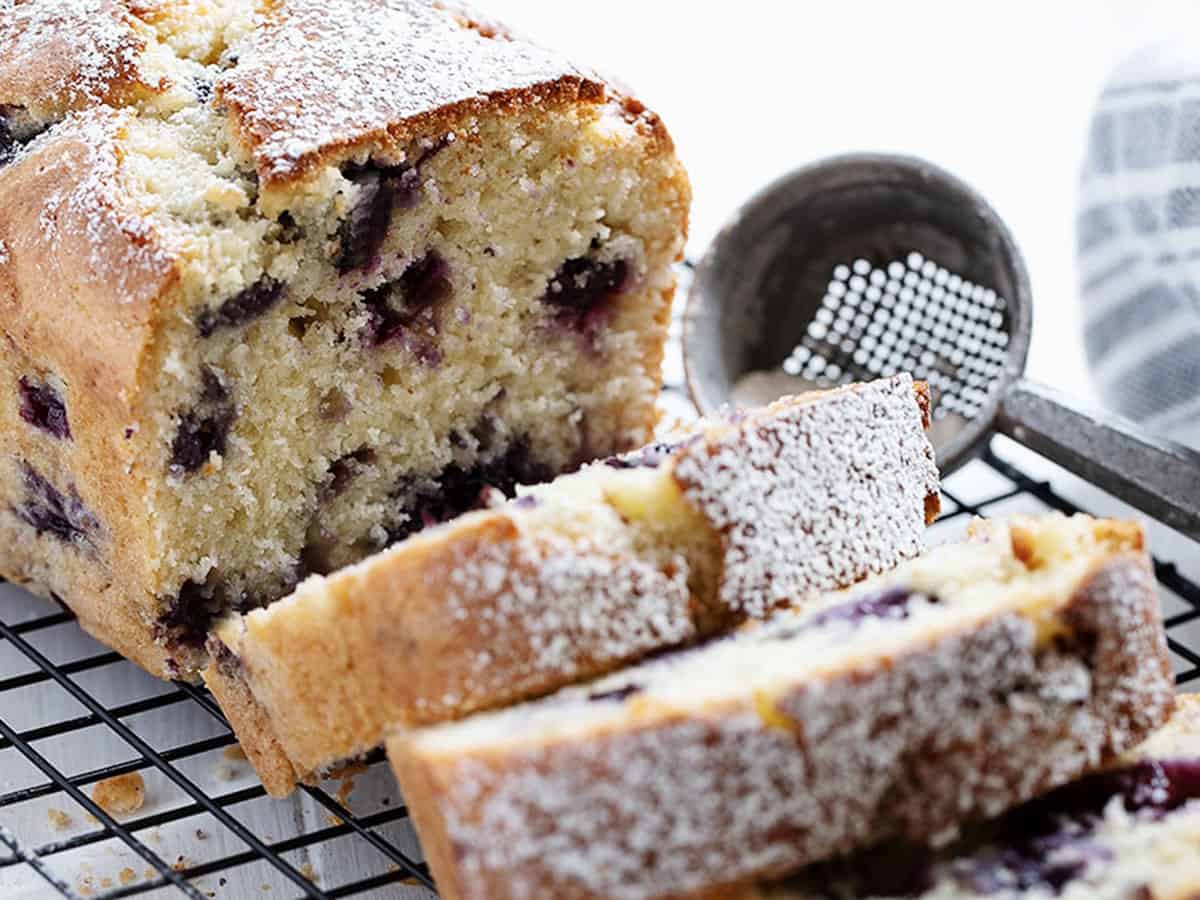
(1006, 484)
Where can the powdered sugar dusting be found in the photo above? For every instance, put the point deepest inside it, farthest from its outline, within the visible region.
(819, 496)
(86, 207)
(545, 610)
(66, 54)
(318, 74)
(665, 799)
(1123, 855)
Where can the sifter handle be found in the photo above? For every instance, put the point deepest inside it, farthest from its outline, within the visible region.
(1160, 478)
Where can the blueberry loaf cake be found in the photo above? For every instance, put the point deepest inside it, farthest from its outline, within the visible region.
(283, 283)
(950, 689)
(1131, 832)
(644, 551)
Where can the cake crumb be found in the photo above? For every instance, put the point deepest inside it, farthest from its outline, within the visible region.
(407, 879)
(121, 794)
(180, 864)
(235, 752)
(59, 819)
(149, 874)
(127, 876)
(345, 789)
(333, 820)
(307, 871)
(106, 882)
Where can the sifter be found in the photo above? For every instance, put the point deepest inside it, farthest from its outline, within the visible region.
(861, 266)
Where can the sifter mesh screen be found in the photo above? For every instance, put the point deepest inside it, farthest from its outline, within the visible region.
(910, 315)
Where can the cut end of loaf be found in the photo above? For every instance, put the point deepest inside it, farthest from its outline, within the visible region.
(328, 334)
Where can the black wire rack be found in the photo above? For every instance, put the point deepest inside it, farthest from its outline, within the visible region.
(382, 846)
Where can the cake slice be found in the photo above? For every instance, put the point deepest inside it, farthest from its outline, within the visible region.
(282, 283)
(644, 551)
(1131, 832)
(950, 689)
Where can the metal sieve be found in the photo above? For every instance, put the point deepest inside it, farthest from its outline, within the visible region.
(862, 266)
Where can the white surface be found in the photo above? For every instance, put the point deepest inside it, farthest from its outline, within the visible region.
(998, 93)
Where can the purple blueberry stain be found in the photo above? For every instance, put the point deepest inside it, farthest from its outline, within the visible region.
(407, 311)
(381, 190)
(49, 510)
(893, 604)
(648, 457)
(247, 305)
(617, 695)
(43, 407)
(583, 290)
(8, 142)
(457, 490)
(204, 430)
(188, 616)
(345, 469)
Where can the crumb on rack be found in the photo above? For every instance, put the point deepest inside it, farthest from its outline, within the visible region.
(345, 789)
(59, 819)
(235, 752)
(180, 864)
(127, 876)
(307, 871)
(333, 820)
(121, 794)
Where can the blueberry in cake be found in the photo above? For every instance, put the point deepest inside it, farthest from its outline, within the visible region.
(951, 689)
(1131, 831)
(640, 552)
(282, 284)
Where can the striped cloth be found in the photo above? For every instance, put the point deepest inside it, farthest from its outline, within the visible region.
(1139, 241)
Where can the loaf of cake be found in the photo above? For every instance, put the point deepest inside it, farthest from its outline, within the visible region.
(644, 551)
(1129, 833)
(283, 283)
(948, 690)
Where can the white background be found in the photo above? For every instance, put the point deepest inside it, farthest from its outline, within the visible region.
(998, 93)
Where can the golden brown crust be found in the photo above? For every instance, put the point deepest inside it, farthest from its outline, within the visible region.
(62, 55)
(81, 284)
(907, 746)
(82, 275)
(253, 727)
(321, 80)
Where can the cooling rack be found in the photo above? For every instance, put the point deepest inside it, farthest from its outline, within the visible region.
(73, 714)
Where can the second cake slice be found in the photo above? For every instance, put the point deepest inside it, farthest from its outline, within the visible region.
(950, 689)
(650, 550)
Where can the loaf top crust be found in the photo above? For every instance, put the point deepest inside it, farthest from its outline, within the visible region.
(61, 55)
(318, 76)
(303, 82)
